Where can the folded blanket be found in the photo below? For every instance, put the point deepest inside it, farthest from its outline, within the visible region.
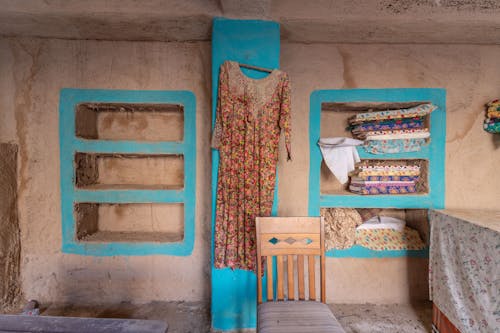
(493, 114)
(417, 111)
(383, 222)
(400, 135)
(394, 146)
(385, 125)
(388, 167)
(389, 239)
(491, 120)
(369, 189)
(492, 127)
(387, 173)
(381, 183)
(386, 178)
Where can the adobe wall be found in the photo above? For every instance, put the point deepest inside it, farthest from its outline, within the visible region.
(32, 72)
(10, 246)
(471, 76)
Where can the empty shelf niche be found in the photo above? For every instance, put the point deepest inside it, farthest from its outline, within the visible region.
(137, 222)
(95, 171)
(130, 121)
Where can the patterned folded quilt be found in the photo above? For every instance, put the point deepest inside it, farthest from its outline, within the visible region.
(492, 125)
(417, 111)
(382, 189)
(386, 170)
(389, 239)
(492, 121)
(422, 133)
(385, 178)
(387, 125)
(394, 146)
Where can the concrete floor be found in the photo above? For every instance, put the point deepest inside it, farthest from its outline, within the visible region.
(185, 317)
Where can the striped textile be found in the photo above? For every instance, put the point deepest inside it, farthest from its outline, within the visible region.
(296, 317)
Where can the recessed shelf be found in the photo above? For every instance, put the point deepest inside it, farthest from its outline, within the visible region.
(329, 185)
(131, 237)
(130, 121)
(97, 171)
(138, 222)
(334, 116)
(119, 187)
(416, 219)
(329, 115)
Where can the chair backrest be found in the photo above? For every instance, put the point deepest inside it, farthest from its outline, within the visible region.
(290, 239)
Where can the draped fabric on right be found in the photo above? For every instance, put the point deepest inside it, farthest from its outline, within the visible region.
(465, 268)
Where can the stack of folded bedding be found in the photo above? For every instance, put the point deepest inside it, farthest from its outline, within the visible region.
(492, 120)
(384, 179)
(387, 233)
(392, 131)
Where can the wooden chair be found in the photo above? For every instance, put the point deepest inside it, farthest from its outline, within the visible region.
(293, 239)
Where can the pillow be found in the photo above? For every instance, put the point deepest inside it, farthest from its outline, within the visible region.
(368, 213)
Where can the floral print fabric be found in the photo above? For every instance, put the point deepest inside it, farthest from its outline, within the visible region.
(384, 179)
(385, 188)
(465, 272)
(417, 111)
(389, 239)
(394, 146)
(386, 125)
(492, 120)
(340, 227)
(249, 118)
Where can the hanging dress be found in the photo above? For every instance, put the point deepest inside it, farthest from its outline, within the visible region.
(249, 117)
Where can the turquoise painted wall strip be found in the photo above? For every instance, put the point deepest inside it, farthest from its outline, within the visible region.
(371, 201)
(434, 153)
(362, 252)
(129, 196)
(129, 147)
(70, 144)
(257, 43)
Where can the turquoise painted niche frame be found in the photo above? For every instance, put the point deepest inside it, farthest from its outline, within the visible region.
(434, 153)
(70, 144)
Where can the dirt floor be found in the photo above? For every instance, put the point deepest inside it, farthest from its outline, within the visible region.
(183, 317)
(395, 318)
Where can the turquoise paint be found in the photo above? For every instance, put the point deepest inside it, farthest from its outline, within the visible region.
(434, 153)
(257, 43)
(129, 147)
(127, 196)
(362, 252)
(382, 201)
(422, 154)
(69, 144)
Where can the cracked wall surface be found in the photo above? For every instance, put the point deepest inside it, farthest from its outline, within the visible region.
(325, 21)
(10, 246)
(32, 72)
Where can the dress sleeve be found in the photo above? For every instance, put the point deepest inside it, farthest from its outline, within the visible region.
(218, 131)
(285, 116)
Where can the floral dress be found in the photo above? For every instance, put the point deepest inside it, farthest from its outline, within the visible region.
(250, 116)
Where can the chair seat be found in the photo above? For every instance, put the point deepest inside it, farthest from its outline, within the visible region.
(297, 317)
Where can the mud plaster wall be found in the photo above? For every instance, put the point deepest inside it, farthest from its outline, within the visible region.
(32, 72)
(471, 76)
(10, 246)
